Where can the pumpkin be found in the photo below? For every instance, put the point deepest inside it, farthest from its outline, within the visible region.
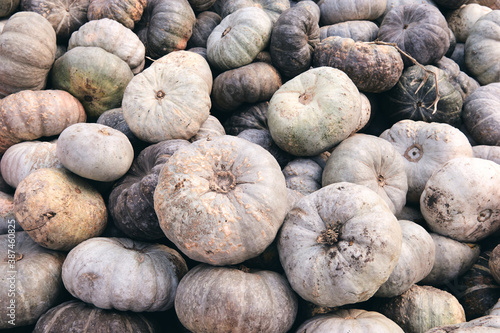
(425, 147)
(481, 114)
(252, 83)
(128, 13)
(206, 21)
(481, 46)
(493, 4)
(118, 40)
(238, 38)
(131, 199)
(31, 279)
(211, 128)
(273, 8)
(25, 157)
(209, 299)
(201, 5)
(7, 218)
(170, 99)
(293, 39)
(253, 116)
(74, 316)
(419, 30)
(395, 3)
(339, 244)
(263, 138)
(487, 324)
(123, 274)
(353, 320)
(459, 79)
(95, 76)
(221, 201)
(412, 213)
(421, 308)
(95, 151)
(64, 16)
(452, 259)
(314, 111)
(463, 18)
(370, 161)
(165, 26)
(30, 115)
(451, 4)
(334, 11)
(468, 215)
(27, 53)
(359, 30)
(415, 96)
(491, 153)
(8, 7)
(303, 175)
(415, 262)
(494, 263)
(63, 211)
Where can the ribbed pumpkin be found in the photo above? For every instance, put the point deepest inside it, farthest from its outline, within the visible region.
(459, 79)
(8, 7)
(127, 12)
(273, 8)
(359, 30)
(335, 11)
(206, 21)
(463, 18)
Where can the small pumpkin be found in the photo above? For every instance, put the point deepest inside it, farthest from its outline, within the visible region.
(303, 175)
(335, 11)
(263, 138)
(205, 22)
(459, 79)
(358, 30)
(209, 299)
(128, 13)
(122, 274)
(253, 116)
(64, 210)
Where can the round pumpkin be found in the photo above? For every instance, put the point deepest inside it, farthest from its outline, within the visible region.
(128, 13)
(221, 201)
(122, 274)
(78, 316)
(418, 29)
(459, 79)
(273, 8)
(238, 38)
(95, 76)
(170, 99)
(263, 138)
(482, 48)
(481, 114)
(206, 21)
(335, 11)
(63, 211)
(463, 18)
(225, 299)
(314, 111)
(27, 53)
(303, 175)
(425, 147)
(211, 128)
(338, 245)
(358, 30)
(31, 280)
(29, 115)
(25, 157)
(471, 213)
(491, 153)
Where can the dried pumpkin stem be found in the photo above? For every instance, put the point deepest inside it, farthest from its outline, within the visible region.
(330, 235)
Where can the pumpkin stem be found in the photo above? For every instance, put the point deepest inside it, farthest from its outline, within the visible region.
(226, 31)
(381, 180)
(414, 153)
(222, 182)
(330, 235)
(160, 94)
(305, 98)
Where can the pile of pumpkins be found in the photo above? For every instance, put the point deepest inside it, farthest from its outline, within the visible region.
(250, 166)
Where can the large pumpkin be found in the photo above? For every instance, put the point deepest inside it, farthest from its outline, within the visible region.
(128, 12)
(463, 18)
(339, 244)
(359, 30)
(273, 8)
(27, 52)
(221, 201)
(205, 22)
(335, 11)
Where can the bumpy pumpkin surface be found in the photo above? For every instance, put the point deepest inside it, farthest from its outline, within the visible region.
(314, 111)
(127, 12)
(221, 201)
(339, 244)
(246, 301)
(122, 274)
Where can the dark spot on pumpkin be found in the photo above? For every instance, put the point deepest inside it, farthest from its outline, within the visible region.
(209, 252)
(405, 26)
(77, 190)
(484, 215)
(88, 98)
(225, 32)
(48, 215)
(179, 185)
(432, 199)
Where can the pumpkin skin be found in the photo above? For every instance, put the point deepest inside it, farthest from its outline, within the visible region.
(38, 284)
(481, 114)
(7, 217)
(463, 18)
(333, 11)
(211, 128)
(352, 237)
(30, 115)
(452, 259)
(224, 288)
(359, 30)
(73, 316)
(165, 26)
(131, 200)
(425, 147)
(25, 157)
(128, 13)
(370, 161)
(170, 99)
(95, 151)
(420, 30)
(228, 46)
(247, 117)
(123, 274)
(64, 211)
(486, 324)
(230, 195)
(451, 4)
(459, 79)
(491, 153)
(252, 83)
(481, 46)
(8, 7)
(414, 94)
(464, 217)
(354, 320)
(303, 175)
(372, 67)
(263, 138)
(308, 114)
(27, 53)
(293, 40)
(96, 77)
(494, 263)
(205, 23)
(273, 8)
(493, 4)
(118, 40)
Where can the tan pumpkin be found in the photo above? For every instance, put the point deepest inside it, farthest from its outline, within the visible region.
(462, 19)
(127, 12)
